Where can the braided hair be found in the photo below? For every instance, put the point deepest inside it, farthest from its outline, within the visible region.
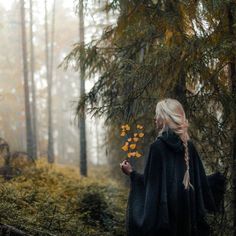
(170, 112)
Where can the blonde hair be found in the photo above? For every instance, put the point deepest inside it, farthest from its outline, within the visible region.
(170, 112)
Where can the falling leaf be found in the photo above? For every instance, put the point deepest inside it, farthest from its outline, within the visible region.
(141, 135)
(127, 127)
(135, 134)
(135, 139)
(122, 134)
(122, 126)
(125, 148)
(129, 139)
(137, 154)
(129, 154)
(139, 126)
(132, 146)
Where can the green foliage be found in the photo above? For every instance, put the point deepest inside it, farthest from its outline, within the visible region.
(54, 200)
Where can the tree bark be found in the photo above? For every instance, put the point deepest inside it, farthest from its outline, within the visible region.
(232, 79)
(29, 136)
(33, 104)
(50, 150)
(82, 125)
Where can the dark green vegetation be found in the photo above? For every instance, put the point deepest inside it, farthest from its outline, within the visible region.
(179, 49)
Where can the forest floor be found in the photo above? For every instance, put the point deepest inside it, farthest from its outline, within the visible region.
(54, 200)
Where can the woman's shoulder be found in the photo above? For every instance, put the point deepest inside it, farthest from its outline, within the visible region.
(157, 144)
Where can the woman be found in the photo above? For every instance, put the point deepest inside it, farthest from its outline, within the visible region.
(173, 195)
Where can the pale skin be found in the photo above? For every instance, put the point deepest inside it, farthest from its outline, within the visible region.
(125, 165)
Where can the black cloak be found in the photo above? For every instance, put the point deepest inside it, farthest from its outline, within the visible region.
(158, 204)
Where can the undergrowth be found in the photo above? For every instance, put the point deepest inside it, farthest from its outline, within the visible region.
(54, 200)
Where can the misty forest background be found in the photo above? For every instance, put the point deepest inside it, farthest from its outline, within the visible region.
(73, 72)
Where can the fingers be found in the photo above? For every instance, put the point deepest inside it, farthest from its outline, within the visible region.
(124, 164)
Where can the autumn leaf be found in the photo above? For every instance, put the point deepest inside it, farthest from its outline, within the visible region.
(137, 154)
(141, 135)
(132, 146)
(125, 148)
(129, 154)
(139, 126)
(122, 126)
(122, 134)
(135, 139)
(127, 127)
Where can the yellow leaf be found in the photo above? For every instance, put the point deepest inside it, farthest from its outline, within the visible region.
(129, 139)
(125, 148)
(122, 134)
(135, 139)
(127, 127)
(140, 127)
(129, 154)
(141, 135)
(137, 154)
(135, 134)
(132, 146)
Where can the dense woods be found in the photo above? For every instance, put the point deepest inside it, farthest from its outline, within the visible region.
(73, 72)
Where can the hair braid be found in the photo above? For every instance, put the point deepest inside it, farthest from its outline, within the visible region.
(170, 112)
(186, 180)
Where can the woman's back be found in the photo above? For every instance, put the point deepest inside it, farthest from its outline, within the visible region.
(173, 194)
(158, 202)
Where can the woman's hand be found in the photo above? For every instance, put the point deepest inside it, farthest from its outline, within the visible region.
(126, 167)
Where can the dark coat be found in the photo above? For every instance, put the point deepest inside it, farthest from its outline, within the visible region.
(158, 204)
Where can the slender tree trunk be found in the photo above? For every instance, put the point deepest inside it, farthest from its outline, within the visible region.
(52, 40)
(26, 84)
(97, 140)
(232, 77)
(82, 126)
(33, 104)
(49, 102)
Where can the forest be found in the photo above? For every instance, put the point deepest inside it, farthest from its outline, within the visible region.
(77, 75)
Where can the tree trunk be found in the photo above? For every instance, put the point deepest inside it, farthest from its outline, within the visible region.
(97, 140)
(33, 104)
(82, 126)
(26, 84)
(49, 102)
(232, 78)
